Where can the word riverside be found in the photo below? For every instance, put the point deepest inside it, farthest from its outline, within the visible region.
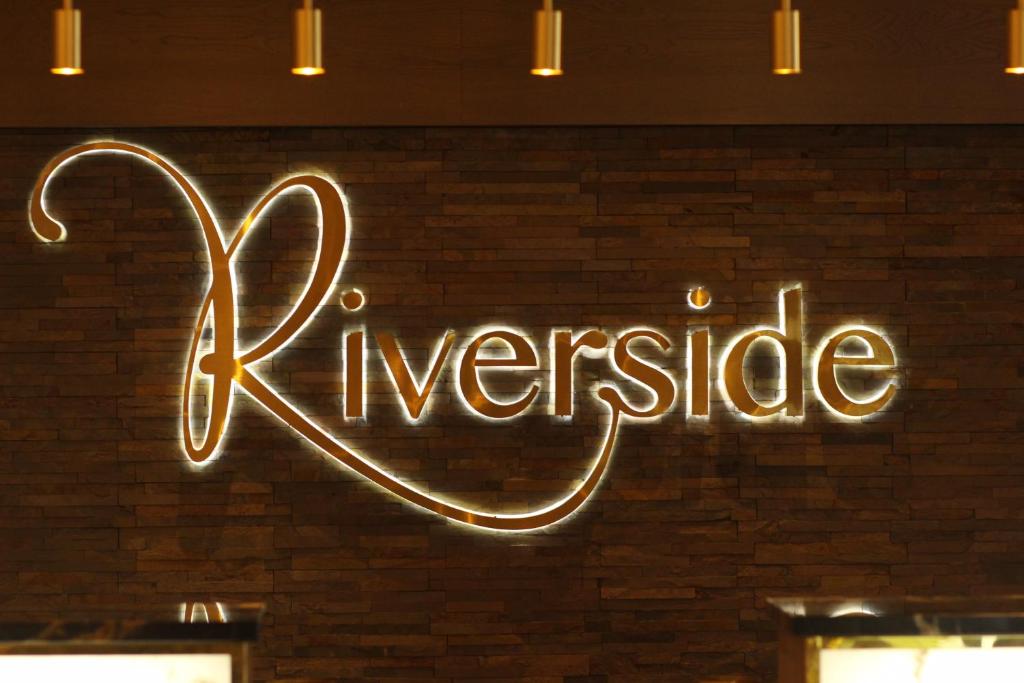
(221, 365)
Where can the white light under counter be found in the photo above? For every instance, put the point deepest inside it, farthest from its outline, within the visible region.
(901, 640)
(117, 668)
(904, 665)
(192, 642)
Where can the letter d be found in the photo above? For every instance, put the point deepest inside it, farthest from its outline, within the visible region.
(789, 337)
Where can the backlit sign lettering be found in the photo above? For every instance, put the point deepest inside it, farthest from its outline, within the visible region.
(478, 357)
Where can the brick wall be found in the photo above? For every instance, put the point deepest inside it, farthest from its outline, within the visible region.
(664, 574)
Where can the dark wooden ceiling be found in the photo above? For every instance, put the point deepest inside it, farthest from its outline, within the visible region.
(465, 62)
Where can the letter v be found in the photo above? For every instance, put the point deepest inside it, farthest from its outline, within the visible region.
(413, 393)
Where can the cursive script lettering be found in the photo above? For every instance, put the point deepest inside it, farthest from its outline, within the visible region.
(217, 361)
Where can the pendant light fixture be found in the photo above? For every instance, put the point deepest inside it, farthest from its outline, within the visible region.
(67, 41)
(1015, 59)
(786, 40)
(547, 41)
(309, 59)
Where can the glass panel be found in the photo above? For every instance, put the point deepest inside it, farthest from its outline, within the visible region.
(978, 665)
(206, 668)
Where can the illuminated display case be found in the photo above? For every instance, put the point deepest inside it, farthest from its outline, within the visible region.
(905, 640)
(186, 643)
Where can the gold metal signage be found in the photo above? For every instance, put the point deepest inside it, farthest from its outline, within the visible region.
(222, 365)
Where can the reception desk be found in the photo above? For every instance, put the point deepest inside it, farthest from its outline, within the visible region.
(905, 640)
(186, 643)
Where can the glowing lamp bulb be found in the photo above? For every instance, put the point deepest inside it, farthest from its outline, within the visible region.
(309, 59)
(547, 41)
(67, 41)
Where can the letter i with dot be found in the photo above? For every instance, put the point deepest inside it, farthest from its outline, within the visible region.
(698, 354)
(354, 359)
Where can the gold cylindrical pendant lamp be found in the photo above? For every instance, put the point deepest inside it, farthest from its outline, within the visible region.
(786, 40)
(309, 59)
(67, 41)
(547, 41)
(1015, 59)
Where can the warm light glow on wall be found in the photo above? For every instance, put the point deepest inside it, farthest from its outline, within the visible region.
(786, 40)
(547, 41)
(309, 59)
(67, 41)
(1015, 58)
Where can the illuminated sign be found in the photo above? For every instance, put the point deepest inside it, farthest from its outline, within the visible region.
(219, 362)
